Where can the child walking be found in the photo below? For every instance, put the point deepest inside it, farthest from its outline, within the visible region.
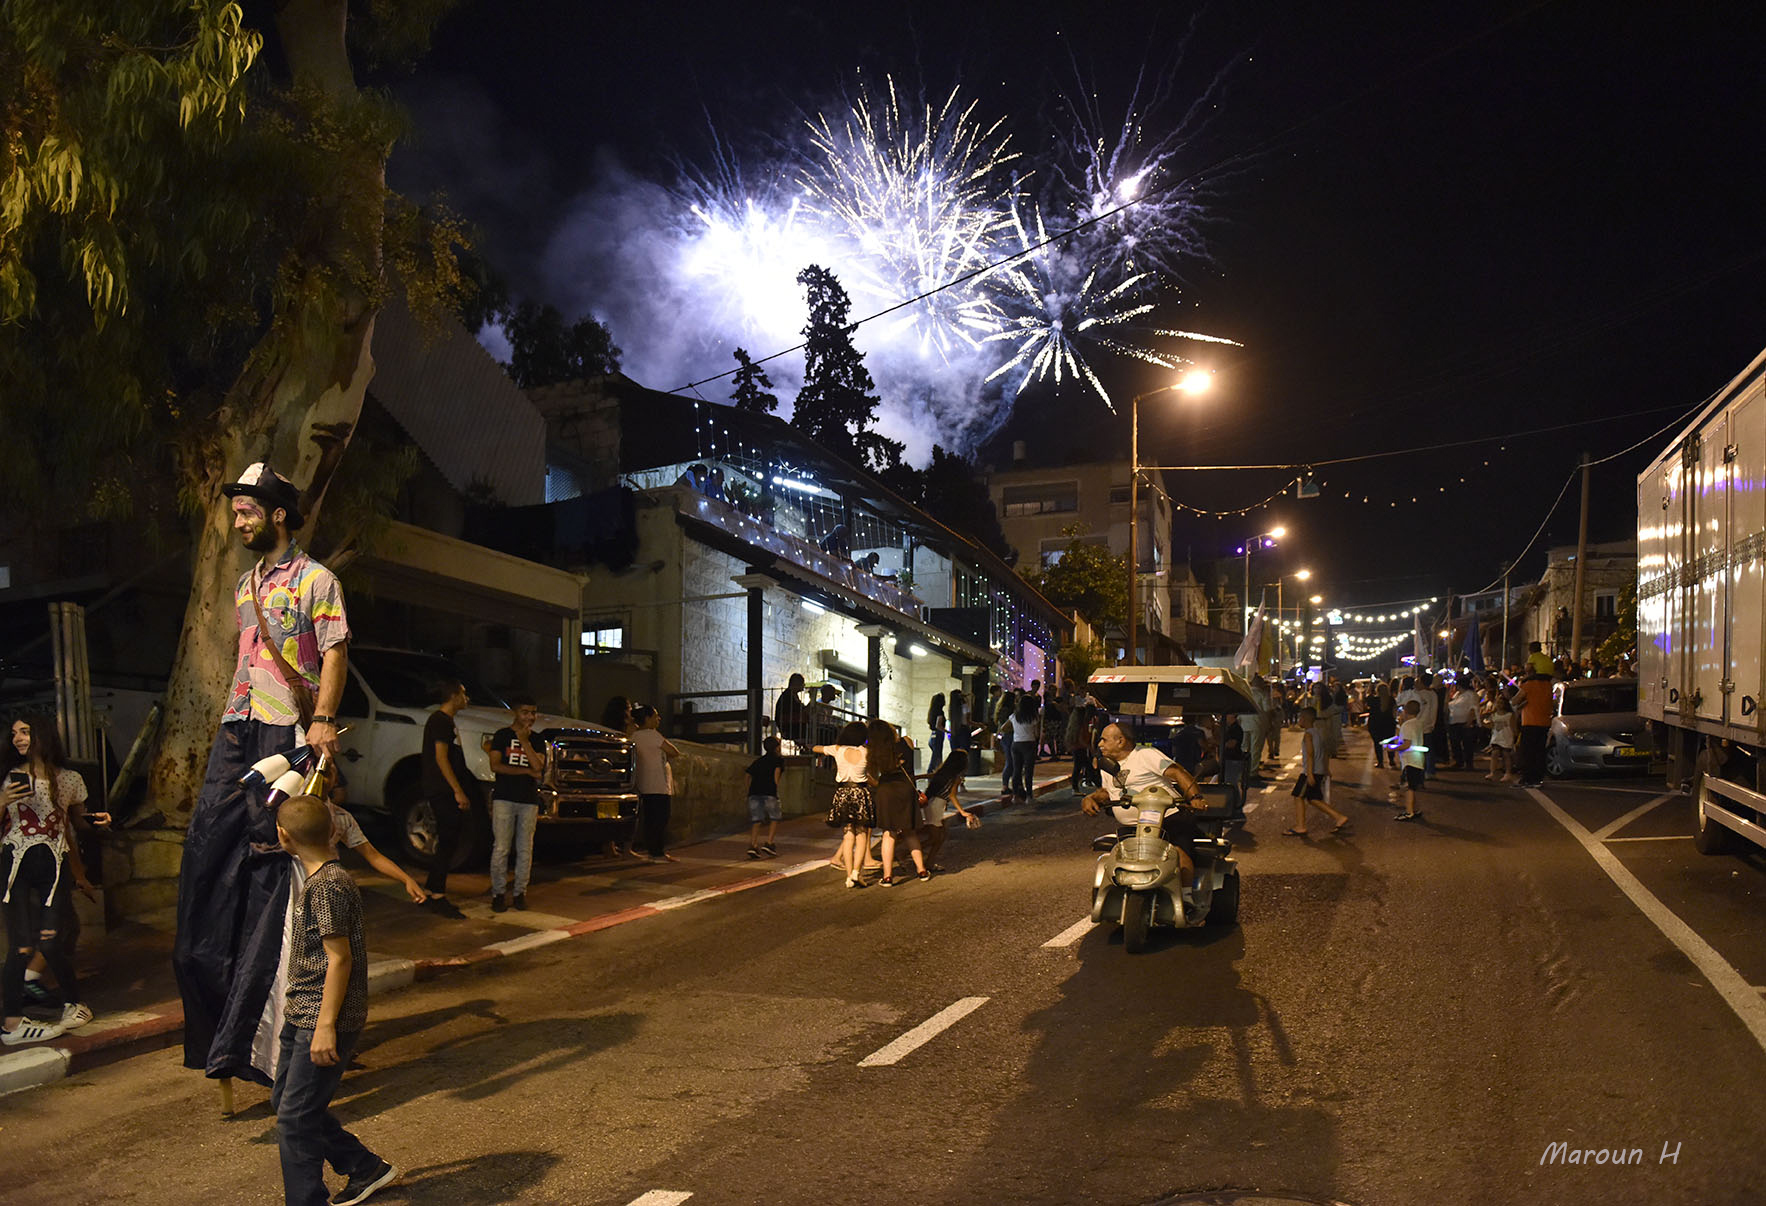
(1503, 723)
(324, 1011)
(1413, 750)
(763, 799)
(1312, 786)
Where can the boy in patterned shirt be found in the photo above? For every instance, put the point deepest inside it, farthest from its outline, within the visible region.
(324, 1011)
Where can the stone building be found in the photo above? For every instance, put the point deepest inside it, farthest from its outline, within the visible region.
(759, 555)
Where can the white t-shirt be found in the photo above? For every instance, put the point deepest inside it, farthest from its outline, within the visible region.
(849, 762)
(1143, 767)
(1025, 730)
(1418, 736)
(1430, 706)
(652, 763)
(1463, 709)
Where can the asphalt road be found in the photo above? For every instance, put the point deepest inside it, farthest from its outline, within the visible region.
(1410, 1014)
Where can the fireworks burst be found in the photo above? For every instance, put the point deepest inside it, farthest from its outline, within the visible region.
(901, 196)
(921, 195)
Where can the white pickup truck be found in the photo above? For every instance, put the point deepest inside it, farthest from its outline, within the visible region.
(587, 790)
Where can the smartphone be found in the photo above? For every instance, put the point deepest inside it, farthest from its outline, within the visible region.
(18, 778)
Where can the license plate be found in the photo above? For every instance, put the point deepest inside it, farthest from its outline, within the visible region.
(1631, 753)
(607, 810)
(1151, 816)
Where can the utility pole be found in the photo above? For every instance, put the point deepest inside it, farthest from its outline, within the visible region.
(1134, 523)
(1581, 570)
(1505, 569)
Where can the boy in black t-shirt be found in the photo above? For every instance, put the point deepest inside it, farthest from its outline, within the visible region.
(763, 799)
(324, 1011)
(448, 785)
(518, 759)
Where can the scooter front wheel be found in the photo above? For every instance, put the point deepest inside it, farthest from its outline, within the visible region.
(1137, 917)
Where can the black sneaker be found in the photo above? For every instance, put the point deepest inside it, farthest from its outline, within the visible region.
(754, 852)
(362, 1186)
(521, 901)
(497, 903)
(441, 906)
(769, 850)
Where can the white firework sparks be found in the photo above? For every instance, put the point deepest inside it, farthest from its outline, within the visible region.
(1058, 320)
(921, 195)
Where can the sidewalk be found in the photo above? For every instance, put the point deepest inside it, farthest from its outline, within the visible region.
(134, 997)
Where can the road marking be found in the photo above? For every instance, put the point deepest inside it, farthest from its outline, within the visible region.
(1602, 834)
(661, 1197)
(1629, 791)
(528, 941)
(922, 1034)
(681, 902)
(1070, 935)
(1729, 983)
(1666, 837)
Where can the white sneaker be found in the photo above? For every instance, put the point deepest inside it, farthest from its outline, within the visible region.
(29, 1031)
(74, 1015)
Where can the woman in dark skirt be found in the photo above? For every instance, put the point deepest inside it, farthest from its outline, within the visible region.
(852, 809)
(893, 790)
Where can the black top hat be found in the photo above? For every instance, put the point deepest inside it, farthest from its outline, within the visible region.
(263, 483)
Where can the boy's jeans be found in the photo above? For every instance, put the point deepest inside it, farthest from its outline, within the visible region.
(310, 1136)
(511, 822)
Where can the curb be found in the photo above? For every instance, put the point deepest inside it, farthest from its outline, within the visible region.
(144, 1032)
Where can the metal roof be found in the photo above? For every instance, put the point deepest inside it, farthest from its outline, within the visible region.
(459, 407)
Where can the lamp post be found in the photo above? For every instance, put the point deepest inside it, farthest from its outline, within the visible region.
(1196, 381)
(1301, 575)
(1263, 540)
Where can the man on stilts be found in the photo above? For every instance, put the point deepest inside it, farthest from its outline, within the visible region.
(234, 879)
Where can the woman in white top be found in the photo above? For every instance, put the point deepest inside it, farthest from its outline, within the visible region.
(41, 867)
(651, 752)
(852, 809)
(1026, 725)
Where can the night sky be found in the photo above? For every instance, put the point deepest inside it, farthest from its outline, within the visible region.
(1427, 223)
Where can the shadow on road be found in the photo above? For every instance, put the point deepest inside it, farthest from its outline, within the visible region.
(504, 1177)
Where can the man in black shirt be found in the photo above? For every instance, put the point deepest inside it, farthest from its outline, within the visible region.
(447, 786)
(1188, 744)
(1234, 766)
(518, 760)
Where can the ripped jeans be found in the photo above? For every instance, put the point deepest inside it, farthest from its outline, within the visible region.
(32, 925)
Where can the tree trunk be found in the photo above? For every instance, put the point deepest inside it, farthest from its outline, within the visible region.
(296, 404)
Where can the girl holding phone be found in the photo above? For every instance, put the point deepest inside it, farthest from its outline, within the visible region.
(40, 867)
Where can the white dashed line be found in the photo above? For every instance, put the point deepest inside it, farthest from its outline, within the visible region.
(1736, 992)
(661, 1197)
(922, 1034)
(1070, 935)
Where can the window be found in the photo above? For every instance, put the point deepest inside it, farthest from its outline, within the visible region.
(602, 639)
(1052, 550)
(1606, 607)
(1041, 498)
(1118, 494)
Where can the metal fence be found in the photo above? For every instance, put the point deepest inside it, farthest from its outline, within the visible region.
(721, 718)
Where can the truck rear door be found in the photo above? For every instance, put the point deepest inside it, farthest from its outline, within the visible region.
(1747, 574)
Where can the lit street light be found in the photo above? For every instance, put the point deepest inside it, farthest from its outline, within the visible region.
(1196, 381)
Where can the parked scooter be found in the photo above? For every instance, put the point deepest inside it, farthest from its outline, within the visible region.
(1138, 883)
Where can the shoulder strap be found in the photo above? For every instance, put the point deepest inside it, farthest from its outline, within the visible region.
(297, 686)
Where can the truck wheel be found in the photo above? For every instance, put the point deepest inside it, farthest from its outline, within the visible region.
(1136, 917)
(1224, 909)
(415, 818)
(1709, 837)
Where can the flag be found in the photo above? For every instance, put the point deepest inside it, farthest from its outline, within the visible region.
(1250, 649)
(1474, 647)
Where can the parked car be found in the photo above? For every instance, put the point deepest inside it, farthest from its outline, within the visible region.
(588, 790)
(1595, 727)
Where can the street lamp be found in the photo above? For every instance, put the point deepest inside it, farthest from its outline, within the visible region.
(1196, 381)
(1263, 540)
(1303, 575)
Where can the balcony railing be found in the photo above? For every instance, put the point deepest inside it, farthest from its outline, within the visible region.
(798, 551)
